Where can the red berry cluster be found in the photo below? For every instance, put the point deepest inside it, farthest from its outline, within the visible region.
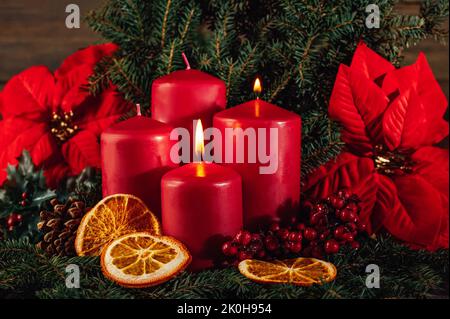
(321, 228)
(13, 221)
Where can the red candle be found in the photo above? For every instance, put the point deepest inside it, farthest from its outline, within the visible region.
(182, 96)
(135, 156)
(202, 206)
(276, 192)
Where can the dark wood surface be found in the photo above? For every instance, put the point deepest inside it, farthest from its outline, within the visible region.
(33, 32)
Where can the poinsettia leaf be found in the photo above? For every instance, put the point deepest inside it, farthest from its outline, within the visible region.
(29, 94)
(357, 103)
(346, 171)
(371, 64)
(73, 75)
(81, 151)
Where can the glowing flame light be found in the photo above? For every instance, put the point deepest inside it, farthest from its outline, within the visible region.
(199, 140)
(257, 87)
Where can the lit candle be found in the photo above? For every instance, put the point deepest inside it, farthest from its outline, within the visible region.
(135, 155)
(266, 196)
(202, 206)
(183, 96)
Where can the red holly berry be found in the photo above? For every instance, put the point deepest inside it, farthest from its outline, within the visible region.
(331, 247)
(315, 218)
(295, 236)
(11, 222)
(337, 202)
(274, 227)
(283, 233)
(345, 215)
(243, 237)
(339, 231)
(310, 233)
(296, 247)
(301, 226)
(229, 249)
(271, 243)
(355, 245)
(244, 255)
(348, 237)
(23, 203)
(24, 195)
(344, 194)
(10, 228)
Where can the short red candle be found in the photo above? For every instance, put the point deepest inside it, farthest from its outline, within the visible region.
(266, 196)
(182, 96)
(201, 206)
(135, 156)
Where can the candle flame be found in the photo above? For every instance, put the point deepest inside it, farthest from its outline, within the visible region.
(257, 87)
(199, 140)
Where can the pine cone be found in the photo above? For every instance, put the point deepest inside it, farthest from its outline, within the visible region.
(59, 227)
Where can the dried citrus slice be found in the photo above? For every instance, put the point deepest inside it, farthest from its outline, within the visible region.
(142, 260)
(112, 217)
(297, 271)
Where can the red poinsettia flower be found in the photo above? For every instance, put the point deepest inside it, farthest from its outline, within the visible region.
(391, 119)
(55, 118)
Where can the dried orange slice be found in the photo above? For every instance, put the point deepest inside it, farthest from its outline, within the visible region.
(142, 260)
(297, 271)
(112, 217)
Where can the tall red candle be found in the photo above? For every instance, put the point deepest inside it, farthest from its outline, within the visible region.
(135, 156)
(202, 206)
(266, 196)
(182, 96)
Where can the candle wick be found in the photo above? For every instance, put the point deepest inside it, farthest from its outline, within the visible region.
(186, 61)
(138, 109)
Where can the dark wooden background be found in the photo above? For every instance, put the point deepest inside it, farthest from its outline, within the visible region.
(33, 32)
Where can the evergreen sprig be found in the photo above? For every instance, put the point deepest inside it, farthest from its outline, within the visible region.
(27, 272)
(295, 45)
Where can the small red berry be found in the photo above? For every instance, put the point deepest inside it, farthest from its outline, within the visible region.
(11, 221)
(283, 233)
(275, 227)
(314, 219)
(331, 247)
(310, 233)
(301, 226)
(271, 243)
(23, 203)
(256, 237)
(355, 245)
(362, 227)
(229, 249)
(296, 247)
(295, 236)
(10, 228)
(339, 231)
(24, 195)
(18, 218)
(243, 237)
(261, 254)
(344, 193)
(337, 202)
(345, 215)
(348, 237)
(244, 255)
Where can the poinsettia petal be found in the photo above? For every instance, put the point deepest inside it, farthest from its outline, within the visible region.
(371, 64)
(55, 174)
(357, 103)
(81, 151)
(346, 171)
(408, 125)
(98, 113)
(73, 75)
(29, 94)
(88, 56)
(18, 134)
